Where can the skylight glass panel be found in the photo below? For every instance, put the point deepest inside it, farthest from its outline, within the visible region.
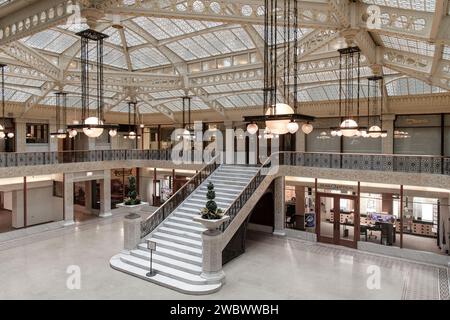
(410, 86)
(419, 5)
(163, 28)
(147, 57)
(214, 43)
(133, 39)
(301, 32)
(412, 46)
(167, 94)
(114, 36)
(42, 39)
(61, 43)
(446, 54)
(115, 58)
(74, 27)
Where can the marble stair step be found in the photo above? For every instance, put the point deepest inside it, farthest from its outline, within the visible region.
(162, 280)
(177, 239)
(177, 247)
(164, 270)
(176, 255)
(184, 221)
(181, 233)
(167, 261)
(176, 225)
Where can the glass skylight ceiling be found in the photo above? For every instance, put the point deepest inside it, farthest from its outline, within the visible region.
(147, 57)
(412, 46)
(446, 54)
(132, 39)
(163, 28)
(410, 86)
(50, 40)
(302, 32)
(211, 44)
(420, 5)
(240, 86)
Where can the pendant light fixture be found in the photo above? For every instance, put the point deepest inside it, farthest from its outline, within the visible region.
(188, 132)
(4, 133)
(61, 117)
(375, 97)
(92, 125)
(132, 124)
(349, 93)
(280, 118)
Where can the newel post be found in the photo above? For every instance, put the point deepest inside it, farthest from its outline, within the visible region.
(131, 231)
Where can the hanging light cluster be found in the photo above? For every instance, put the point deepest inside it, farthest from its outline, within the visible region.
(349, 93)
(92, 125)
(62, 131)
(132, 124)
(375, 102)
(4, 134)
(280, 118)
(188, 132)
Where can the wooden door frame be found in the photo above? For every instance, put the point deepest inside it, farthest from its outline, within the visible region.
(336, 240)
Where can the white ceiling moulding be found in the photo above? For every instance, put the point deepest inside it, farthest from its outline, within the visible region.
(312, 14)
(21, 21)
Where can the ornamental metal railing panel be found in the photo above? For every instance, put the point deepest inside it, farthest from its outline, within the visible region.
(17, 159)
(177, 198)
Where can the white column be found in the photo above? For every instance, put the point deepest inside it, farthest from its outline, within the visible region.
(21, 135)
(68, 199)
(105, 195)
(52, 143)
(229, 142)
(387, 146)
(131, 231)
(280, 211)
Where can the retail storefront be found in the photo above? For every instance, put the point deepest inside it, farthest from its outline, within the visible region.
(349, 213)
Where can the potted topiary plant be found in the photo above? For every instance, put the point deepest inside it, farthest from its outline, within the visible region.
(132, 202)
(211, 216)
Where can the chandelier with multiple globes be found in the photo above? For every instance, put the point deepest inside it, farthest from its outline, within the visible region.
(4, 133)
(375, 99)
(349, 93)
(62, 131)
(132, 123)
(281, 34)
(92, 125)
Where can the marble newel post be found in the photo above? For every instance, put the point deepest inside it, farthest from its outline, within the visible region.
(279, 205)
(212, 255)
(131, 231)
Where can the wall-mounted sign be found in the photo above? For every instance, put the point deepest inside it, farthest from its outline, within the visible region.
(122, 172)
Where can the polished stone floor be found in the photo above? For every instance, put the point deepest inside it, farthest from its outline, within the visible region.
(272, 268)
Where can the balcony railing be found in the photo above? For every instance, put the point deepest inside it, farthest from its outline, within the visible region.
(368, 162)
(51, 158)
(362, 161)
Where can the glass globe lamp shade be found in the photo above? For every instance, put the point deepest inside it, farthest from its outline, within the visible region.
(142, 126)
(384, 135)
(73, 133)
(112, 133)
(375, 132)
(307, 128)
(339, 133)
(333, 133)
(93, 132)
(2, 135)
(252, 128)
(279, 126)
(292, 127)
(349, 128)
(132, 135)
(10, 135)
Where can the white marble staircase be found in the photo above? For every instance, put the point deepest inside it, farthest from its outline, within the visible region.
(178, 256)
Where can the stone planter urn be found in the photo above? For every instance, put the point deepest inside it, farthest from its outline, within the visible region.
(133, 209)
(212, 225)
